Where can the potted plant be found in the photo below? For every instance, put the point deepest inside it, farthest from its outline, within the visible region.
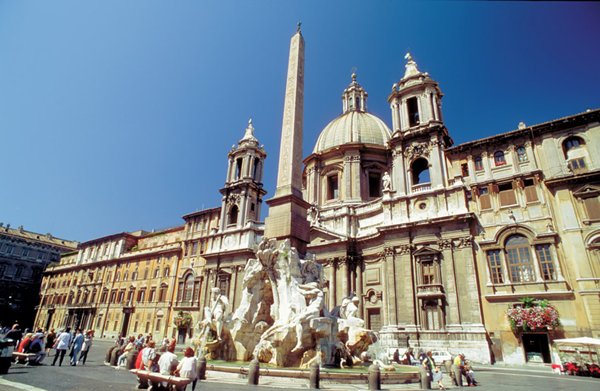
(183, 320)
(533, 315)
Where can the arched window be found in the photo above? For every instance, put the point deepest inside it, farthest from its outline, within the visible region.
(188, 288)
(420, 171)
(521, 154)
(572, 143)
(256, 171)
(162, 293)
(518, 258)
(499, 159)
(238, 168)
(575, 153)
(478, 163)
(233, 215)
(412, 106)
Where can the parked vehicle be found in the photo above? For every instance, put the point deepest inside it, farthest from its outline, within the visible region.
(439, 356)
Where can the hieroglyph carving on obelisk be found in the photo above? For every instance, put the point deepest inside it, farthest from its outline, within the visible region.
(289, 177)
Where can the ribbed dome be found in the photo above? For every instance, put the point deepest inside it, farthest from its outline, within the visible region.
(353, 127)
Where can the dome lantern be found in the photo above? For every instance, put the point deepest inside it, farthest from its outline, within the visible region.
(354, 97)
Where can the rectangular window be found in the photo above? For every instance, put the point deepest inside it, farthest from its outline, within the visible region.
(141, 295)
(530, 191)
(413, 111)
(332, 187)
(577, 164)
(464, 169)
(428, 273)
(196, 291)
(374, 184)
(495, 264)
(519, 265)
(507, 194)
(238, 168)
(546, 264)
(195, 248)
(180, 292)
(592, 208)
(152, 295)
(478, 163)
(484, 198)
(158, 324)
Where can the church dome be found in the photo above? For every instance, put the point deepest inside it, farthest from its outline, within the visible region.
(355, 125)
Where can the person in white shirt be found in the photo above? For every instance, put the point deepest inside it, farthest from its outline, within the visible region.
(167, 363)
(188, 366)
(148, 356)
(62, 344)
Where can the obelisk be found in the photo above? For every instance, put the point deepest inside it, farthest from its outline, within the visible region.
(287, 209)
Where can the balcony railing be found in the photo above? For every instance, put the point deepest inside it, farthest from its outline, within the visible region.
(430, 291)
(421, 187)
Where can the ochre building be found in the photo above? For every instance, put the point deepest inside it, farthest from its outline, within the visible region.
(438, 240)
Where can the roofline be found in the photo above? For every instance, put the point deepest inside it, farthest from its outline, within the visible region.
(107, 237)
(556, 124)
(199, 212)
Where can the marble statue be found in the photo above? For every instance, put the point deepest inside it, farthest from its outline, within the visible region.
(282, 318)
(214, 315)
(386, 181)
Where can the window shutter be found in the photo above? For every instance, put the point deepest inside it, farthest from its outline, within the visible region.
(592, 207)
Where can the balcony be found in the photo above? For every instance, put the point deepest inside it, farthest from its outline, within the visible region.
(80, 305)
(431, 291)
(421, 187)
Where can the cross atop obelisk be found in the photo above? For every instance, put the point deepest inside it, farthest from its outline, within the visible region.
(287, 209)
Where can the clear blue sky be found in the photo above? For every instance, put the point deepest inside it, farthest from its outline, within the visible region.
(118, 115)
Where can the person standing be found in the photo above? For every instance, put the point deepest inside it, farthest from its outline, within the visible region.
(15, 334)
(87, 344)
(62, 344)
(429, 364)
(76, 348)
(188, 366)
(50, 338)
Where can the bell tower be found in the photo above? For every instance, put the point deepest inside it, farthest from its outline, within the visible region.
(243, 191)
(419, 135)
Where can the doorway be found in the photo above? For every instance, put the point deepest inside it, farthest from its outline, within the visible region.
(536, 347)
(181, 333)
(125, 327)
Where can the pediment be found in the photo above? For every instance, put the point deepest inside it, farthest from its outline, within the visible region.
(588, 190)
(426, 251)
(320, 235)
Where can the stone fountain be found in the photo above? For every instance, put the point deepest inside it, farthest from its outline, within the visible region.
(282, 318)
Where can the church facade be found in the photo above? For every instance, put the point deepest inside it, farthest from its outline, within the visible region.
(437, 240)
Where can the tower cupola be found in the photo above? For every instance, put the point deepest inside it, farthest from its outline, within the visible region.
(243, 191)
(354, 97)
(415, 100)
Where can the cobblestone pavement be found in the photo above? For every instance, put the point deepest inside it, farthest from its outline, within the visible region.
(95, 376)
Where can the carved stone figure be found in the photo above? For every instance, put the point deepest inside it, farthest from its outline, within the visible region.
(386, 181)
(215, 313)
(280, 319)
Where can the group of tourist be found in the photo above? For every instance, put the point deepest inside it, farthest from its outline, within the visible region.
(41, 342)
(459, 362)
(434, 370)
(161, 359)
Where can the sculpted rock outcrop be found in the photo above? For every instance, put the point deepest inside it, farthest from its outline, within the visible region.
(282, 318)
